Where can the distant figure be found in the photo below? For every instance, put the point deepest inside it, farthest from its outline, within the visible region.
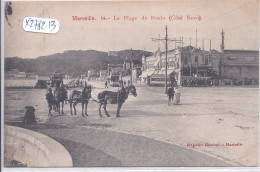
(48, 86)
(170, 94)
(173, 81)
(128, 82)
(124, 83)
(106, 85)
(177, 96)
(122, 88)
(120, 82)
(77, 83)
(52, 83)
(29, 116)
(50, 99)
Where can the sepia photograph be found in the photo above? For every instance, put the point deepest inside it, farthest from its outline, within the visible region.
(153, 84)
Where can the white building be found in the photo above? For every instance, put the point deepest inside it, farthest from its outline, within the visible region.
(154, 67)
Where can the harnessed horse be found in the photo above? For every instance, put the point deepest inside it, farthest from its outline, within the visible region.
(60, 95)
(77, 96)
(109, 97)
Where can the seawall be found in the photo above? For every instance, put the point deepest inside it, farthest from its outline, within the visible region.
(34, 149)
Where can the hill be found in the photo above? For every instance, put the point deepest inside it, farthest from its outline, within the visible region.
(72, 62)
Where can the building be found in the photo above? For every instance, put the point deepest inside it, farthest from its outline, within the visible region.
(233, 67)
(132, 69)
(93, 73)
(13, 73)
(114, 68)
(103, 75)
(45, 78)
(195, 62)
(186, 61)
(236, 67)
(20, 75)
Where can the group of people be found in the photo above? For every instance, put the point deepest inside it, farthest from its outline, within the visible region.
(197, 82)
(173, 95)
(50, 95)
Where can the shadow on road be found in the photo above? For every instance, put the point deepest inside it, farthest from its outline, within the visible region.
(86, 156)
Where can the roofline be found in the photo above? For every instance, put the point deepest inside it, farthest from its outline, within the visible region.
(251, 51)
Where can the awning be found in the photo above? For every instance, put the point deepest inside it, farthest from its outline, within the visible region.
(150, 73)
(158, 76)
(146, 74)
(162, 72)
(161, 75)
(193, 77)
(250, 64)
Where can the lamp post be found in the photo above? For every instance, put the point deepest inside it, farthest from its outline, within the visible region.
(166, 41)
(166, 60)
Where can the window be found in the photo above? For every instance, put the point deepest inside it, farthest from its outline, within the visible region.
(249, 58)
(196, 59)
(206, 61)
(232, 58)
(185, 61)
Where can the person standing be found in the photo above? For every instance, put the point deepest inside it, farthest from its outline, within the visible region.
(177, 96)
(49, 98)
(170, 94)
(173, 81)
(122, 90)
(106, 85)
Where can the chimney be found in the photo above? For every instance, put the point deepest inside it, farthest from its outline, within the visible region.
(210, 45)
(222, 45)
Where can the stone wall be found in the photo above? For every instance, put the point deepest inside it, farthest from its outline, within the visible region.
(34, 149)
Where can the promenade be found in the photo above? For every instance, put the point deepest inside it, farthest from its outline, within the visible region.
(151, 133)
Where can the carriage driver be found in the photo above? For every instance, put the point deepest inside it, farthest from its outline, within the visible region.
(49, 98)
(122, 89)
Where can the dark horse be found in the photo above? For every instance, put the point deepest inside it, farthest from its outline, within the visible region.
(76, 97)
(109, 97)
(60, 95)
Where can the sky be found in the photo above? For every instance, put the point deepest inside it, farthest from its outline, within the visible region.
(239, 19)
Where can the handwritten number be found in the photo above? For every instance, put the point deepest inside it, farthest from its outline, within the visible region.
(39, 25)
(31, 24)
(52, 24)
(43, 23)
(36, 24)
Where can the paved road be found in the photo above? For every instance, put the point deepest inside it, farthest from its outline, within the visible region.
(206, 115)
(91, 147)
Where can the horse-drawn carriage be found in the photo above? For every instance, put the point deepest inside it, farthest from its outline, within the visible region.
(114, 80)
(56, 80)
(83, 96)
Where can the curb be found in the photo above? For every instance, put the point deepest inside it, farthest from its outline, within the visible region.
(34, 149)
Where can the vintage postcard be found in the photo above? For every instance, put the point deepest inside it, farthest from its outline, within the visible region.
(130, 84)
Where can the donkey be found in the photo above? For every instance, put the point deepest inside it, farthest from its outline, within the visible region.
(60, 95)
(109, 97)
(77, 96)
